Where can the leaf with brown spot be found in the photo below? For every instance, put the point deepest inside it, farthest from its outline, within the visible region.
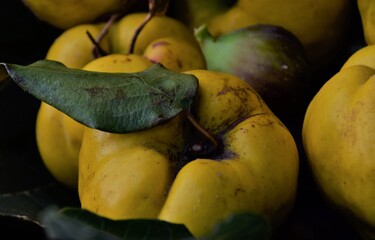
(112, 102)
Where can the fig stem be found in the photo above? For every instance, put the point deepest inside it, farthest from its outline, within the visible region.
(202, 130)
(156, 8)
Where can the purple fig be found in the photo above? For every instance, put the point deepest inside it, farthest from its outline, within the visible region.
(269, 58)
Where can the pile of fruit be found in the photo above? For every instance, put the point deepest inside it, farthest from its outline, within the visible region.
(200, 114)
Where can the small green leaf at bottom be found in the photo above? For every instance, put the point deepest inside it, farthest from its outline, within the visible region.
(79, 224)
(241, 226)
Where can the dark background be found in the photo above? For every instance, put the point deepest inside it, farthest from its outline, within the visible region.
(25, 39)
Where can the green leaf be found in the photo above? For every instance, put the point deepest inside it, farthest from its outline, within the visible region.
(241, 226)
(74, 223)
(113, 102)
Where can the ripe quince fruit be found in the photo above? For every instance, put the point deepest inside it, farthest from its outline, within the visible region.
(338, 138)
(173, 173)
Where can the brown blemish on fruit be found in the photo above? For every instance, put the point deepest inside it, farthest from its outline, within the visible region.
(238, 190)
(241, 119)
(229, 89)
(179, 63)
(349, 132)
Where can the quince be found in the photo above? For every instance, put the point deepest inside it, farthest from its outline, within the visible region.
(171, 172)
(338, 138)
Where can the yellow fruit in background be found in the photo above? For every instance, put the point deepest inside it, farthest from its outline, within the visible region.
(122, 32)
(74, 48)
(175, 54)
(367, 11)
(338, 138)
(65, 14)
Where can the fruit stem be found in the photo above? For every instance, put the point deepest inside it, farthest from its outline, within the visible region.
(98, 51)
(156, 8)
(107, 26)
(202, 34)
(202, 130)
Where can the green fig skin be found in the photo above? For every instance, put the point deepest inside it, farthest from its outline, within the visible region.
(269, 58)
